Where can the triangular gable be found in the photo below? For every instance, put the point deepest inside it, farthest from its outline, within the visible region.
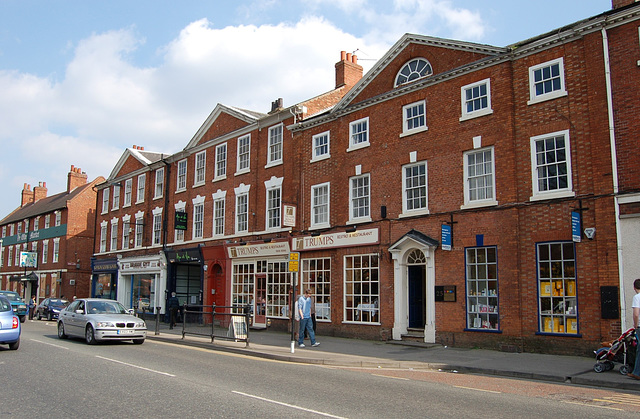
(444, 55)
(414, 238)
(223, 120)
(133, 159)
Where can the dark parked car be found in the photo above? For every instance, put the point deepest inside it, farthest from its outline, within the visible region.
(19, 307)
(49, 308)
(10, 328)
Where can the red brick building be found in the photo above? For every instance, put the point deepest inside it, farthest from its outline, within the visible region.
(58, 232)
(458, 193)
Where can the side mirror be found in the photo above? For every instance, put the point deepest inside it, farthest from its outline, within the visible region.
(79, 312)
(131, 311)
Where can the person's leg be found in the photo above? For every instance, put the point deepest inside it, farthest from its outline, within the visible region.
(313, 320)
(312, 335)
(303, 324)
(636, 368)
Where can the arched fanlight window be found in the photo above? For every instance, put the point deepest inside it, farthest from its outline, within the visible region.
(413, 70)
(416, 257)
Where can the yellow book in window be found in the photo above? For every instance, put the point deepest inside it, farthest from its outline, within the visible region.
(556, 325)
(571, 288)
(547, 324)
(545, 289)
(572, 326)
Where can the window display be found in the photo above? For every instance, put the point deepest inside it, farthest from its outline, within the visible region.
(482, 288)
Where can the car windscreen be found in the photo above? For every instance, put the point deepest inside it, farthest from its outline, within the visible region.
(105, 307)
(58, 303)
(5, 305)
(12, 296)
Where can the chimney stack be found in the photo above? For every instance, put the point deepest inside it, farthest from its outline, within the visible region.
(27, 195)
(348, 71)
(616, 4)
(40, 191)
(75, 178)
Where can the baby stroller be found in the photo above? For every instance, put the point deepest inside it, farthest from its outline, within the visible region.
(622, 351)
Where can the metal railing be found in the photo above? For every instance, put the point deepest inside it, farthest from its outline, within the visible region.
(223, 322)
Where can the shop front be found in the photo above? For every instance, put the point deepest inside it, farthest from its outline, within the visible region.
(260, 278)
(142, 281)
(104, 278)
(185, 275)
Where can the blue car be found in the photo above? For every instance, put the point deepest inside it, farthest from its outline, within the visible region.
(10, 328)
(19, 307)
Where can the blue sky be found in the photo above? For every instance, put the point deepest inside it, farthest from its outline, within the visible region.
(81, 80)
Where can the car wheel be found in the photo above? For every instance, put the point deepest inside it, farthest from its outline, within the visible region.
(138, 341)
(14, 345)
(89, 335)
(23, 318)
(38, 316)
(61, 333)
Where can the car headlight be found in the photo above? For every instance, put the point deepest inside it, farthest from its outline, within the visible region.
(105, 324)
(140, 325)
(55, 310)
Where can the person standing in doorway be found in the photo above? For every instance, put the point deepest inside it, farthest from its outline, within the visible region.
(304, 307)
(173, 304)
(635, 306)
(32, 307)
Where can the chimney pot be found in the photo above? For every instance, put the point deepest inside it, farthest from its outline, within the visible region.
(343, 55)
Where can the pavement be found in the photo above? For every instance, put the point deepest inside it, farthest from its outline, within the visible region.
(344, 352)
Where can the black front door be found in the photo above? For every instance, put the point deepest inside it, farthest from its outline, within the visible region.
(417, 297)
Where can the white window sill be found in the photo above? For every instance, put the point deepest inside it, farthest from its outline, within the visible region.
(242, 172)
(273, 164)
(479, 204)
(552, 195)
(548, 96)
(414, 213)
(197, 185)
(181, 190)
(476, 114)
(358, 146)
(218, 179)
(359, 220)
(320, 158)
(157, 197)
(414, 131)
(320, 226)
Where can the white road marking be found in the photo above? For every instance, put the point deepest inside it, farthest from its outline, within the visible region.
(594, 405)
(288, 405)
(135, 366)
(389, 376)
(50, 344)
(479, 389)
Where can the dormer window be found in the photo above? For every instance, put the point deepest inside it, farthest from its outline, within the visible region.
(413, 70)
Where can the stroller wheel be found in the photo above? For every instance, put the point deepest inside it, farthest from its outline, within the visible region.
(625, 369)
(609, 365)
(598, 367)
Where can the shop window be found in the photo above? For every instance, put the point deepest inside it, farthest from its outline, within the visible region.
(557, 288)
(278, 281)
(242, 284)
(316, 274)
(482, 288)
(361, 289)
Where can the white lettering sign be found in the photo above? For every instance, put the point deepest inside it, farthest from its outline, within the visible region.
(357, 238)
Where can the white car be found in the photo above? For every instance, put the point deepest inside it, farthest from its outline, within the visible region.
(99, 319)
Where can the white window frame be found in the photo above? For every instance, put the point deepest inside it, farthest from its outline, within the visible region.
(142, 187)
(126, 231)
(200, 169)
(10, 256)
(158, 190)
(56, 250)
(243, 164)
(405, 200)
(219, 201)
(139, 230)
(323, 207)
(273, 204)
(488, 110)
(58, 215)
(114, 235)
(45, 251)
(220, 169)
(198, 218)
(468, 178)
(181, 176)
(560, 92)
(482, 288)
(316, 147)
(353, 198)
(242, 208)
(180, 206)
(354, 134)
(157, 227)
(275, 149)
(128, 193)
(558, 192)
(115, 200)
(406, 119)
(103, 236)
(105, 200)
(316, 274)
(361, 269)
